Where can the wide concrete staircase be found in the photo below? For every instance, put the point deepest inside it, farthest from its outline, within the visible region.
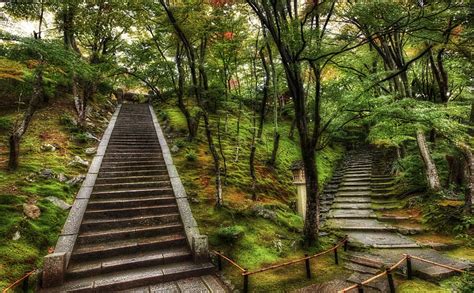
(131, 234)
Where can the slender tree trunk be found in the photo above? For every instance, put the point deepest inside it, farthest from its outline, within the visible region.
(237, 148)
(215, 157)
(221, 149)
(430, 168)
(21, 128)
(291, 134)
(276, 143)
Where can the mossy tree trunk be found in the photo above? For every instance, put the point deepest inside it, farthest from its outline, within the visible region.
(431, 172)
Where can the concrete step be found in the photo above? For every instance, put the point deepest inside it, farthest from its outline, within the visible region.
(138, 277)
(120, 263)
(137, 192)
(130, 179)
(128, 233)
(131, 212)
(120, 173)
(132, 202)
(105, 224)
(131, 185)
(146, 163)
(95, 251)
(138, 167)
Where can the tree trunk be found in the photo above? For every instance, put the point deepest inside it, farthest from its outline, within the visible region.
(430, 168)
(20, 130)
(221, 149)
(215, 157)
(14, 144)
(291, 134)
(276, 143)
(469, 197)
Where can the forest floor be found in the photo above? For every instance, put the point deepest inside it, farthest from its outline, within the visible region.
(267, 231)
(253, 233)
(43, 176)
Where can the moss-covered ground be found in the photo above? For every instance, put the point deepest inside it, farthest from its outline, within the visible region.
(238, 229)
(36, 236)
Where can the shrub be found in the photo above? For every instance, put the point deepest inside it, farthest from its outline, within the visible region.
(6, 123)
(443, 218)
(191, 156)
(80, 137)
(231, 233)
(462, 284)
(181, 143)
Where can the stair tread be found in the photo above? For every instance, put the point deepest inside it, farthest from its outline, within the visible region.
(132, 208)
(133, 257)
(115, 280)
(129, 229)
(111, 245)
(112, 220)
(133, 190)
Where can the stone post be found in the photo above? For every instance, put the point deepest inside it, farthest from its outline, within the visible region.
(300, 182)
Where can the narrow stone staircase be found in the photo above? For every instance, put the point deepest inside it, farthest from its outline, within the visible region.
(352, 210)
(132, 234)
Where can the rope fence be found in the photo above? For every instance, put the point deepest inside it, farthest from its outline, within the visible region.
(24, 281)
(306, 259)
(388, 272)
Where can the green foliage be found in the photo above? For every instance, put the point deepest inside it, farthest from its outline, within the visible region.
(6, 123)
(461, 284)
(444, 218)
(191, 156)
(230, 234)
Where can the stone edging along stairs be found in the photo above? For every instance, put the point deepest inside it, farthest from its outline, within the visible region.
(130, 224)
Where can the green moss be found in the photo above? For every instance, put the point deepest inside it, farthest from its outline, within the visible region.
(46, 188)
(16, 258)
(420, 286)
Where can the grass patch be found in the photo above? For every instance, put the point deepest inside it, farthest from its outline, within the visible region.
(420, 286)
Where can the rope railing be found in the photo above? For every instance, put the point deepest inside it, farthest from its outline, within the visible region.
(24, 281)
(306, 259)
(388, 272)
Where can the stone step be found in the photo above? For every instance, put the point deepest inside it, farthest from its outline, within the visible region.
(354, 183)
(146, 163)
(363, 261)
(138, 277)
(133, 157)
(151, 143)
(367, 229)
(352, 214)
(139, 167)
(123, 172)
(344, 188)
(128, 203)
(105, 224)
(360, 199)
(95, 251)
(132, 192)
(353, 193)
(131, 212)
(364, 180)
(354, 206)
(361, 268)
(379, 285)
(134, 149)
(128, 233)
(120, 263)
(365, 176)
(114, 180)
(131, 185)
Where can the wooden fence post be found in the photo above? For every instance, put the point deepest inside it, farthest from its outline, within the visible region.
(336, 258)
(246, 282)
(219, 261)
(24, 285)
(391, 284)
(409, 268)
(346, 243)
(360, 288)
(308, 267)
